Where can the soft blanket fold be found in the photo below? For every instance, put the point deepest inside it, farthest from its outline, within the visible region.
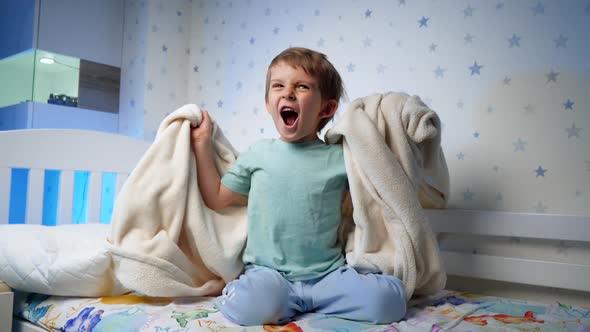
(394, 164)
(165, 241)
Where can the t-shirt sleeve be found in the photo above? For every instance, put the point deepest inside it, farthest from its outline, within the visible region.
(239, 176)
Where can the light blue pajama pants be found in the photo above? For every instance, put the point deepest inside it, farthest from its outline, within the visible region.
(263, 296)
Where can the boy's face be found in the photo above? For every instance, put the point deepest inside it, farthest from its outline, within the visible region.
(295, 103)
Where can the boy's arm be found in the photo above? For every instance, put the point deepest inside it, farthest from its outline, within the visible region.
(215, 195)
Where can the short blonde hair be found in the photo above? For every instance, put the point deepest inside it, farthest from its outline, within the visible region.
(315, 64)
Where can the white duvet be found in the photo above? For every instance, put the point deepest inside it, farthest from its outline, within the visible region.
(61, 260)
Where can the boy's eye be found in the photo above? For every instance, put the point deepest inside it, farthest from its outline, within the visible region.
(277, 85)
(302, 86)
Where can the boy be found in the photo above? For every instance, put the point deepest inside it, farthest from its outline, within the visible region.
(293, 186)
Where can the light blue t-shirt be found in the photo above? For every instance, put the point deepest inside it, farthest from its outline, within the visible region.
(294, 205)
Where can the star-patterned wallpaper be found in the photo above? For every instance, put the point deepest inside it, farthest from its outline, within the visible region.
(510, 80)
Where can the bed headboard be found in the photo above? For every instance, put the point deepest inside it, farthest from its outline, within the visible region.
(55, 176)
(500, 251)
(62, 176)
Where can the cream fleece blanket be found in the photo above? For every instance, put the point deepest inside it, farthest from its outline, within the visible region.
(395, 165)
(166, 242)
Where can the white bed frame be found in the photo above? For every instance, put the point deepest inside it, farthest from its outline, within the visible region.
(98, 152)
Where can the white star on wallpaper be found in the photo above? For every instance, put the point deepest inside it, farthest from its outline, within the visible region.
(468, 195)
(276, 30)
(568, 105)
(460, 156)
(439, 72)
(299, 27)
(432, 47)
(368, 13)
(350, 67)
(506, 80)
(552, 76)
(529, 109)
(538, 9)
(519, 145)
(514, 41)
(561, 41)
(573, 131)
(220, 103)
(540, 171)
(468, 11)
(539, 208)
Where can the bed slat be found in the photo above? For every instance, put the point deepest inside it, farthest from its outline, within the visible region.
(94, 197)
(519, 270)
(66, 195)
(510, 224)
(35, 190)
(4, 193)
(121, 178)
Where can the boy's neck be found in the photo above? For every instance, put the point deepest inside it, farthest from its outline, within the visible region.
(305, 139)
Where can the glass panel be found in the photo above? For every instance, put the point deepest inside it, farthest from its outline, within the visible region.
(16, 78)
(56, 79)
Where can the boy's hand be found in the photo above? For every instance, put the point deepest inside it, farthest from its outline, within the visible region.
(202, 134)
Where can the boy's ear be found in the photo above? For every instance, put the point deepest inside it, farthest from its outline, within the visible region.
(267, 106)
(329, 109)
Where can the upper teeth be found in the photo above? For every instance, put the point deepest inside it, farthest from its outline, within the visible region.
(288, 109)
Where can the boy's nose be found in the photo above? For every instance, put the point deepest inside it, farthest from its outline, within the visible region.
(289, 95)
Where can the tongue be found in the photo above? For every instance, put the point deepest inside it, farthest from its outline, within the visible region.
(290, 118)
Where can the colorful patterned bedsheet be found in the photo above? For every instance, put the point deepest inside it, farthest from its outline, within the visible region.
(445, 311)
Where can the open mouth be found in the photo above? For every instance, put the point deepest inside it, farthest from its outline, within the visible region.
(289, 116)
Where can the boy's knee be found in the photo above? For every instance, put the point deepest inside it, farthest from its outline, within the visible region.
(243, 302)
(389, 303)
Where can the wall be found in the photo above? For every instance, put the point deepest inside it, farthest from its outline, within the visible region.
(91, 30)
(508, 79)
(156, 64)
(18, 26)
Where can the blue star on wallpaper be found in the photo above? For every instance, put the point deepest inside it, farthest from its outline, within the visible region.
(569, 105)
(540, 171)
(423, 22)
(475, 68)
